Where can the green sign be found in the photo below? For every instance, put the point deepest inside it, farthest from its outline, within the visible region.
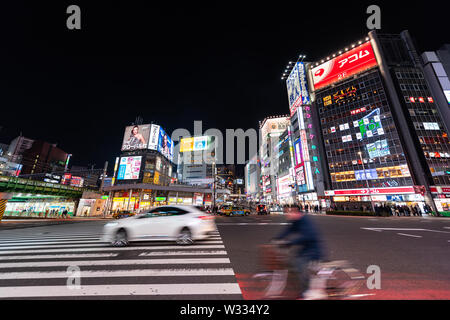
(160, 198)
(105, 197)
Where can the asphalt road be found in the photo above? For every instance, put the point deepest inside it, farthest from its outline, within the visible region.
(412, 253)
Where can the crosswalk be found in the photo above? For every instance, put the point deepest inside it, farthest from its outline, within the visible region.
(78, 265)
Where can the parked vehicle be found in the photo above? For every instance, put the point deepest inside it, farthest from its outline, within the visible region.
(183, 224)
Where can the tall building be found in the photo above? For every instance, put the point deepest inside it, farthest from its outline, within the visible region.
(383, 137)
(252, 179)
(17, 147)
(304, 136)
(270, 130)
(436, 67)
(43, 157)
(196, 160)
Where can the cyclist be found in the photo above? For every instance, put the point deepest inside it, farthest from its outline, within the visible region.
(310, 251)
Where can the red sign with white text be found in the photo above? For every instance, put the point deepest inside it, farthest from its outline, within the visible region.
(344, 66)
(350, 192)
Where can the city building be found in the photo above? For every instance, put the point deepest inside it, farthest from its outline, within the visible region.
(436, 65)
(307, 161)
(196, 160)
(252, 179)
(270, 130)
(42, 157)
(17, 147)
(383, 137)
(145, 175)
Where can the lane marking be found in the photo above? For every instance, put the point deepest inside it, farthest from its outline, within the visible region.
(112, 262)
(44, 241)
(122, 290)
(108, 248)
(182, 253)
(59, 256)
(121, 273)
(49, 243)
(409, 235)
(404, 229)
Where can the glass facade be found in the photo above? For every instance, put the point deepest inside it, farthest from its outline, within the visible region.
(425, 120)
(361, 140)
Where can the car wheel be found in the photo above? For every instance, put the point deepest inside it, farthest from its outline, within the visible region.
(121, 239)
(185, 237)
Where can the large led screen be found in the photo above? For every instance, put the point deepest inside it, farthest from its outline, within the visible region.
(165, 144)
(344, 66)
(297, 87)
(377, 149)
(136, 137)
(129, 168)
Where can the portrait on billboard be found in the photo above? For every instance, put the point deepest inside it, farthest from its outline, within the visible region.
(136, 137)
(165, 144)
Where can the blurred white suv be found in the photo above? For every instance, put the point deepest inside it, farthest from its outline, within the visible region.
(182, 224)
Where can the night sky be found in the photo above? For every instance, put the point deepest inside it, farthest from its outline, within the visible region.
(171, 64)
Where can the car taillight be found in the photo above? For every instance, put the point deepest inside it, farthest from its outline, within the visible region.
(205, 217)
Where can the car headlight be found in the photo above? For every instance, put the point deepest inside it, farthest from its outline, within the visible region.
(111, 224)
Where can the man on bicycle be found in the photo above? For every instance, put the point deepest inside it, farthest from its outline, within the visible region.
(310, 251)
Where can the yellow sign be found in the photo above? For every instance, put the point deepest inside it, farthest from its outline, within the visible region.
(187, 144)
(156, 179)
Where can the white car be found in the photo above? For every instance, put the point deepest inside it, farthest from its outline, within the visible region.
(182, 224)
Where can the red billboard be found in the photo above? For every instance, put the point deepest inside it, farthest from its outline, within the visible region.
(344, 66)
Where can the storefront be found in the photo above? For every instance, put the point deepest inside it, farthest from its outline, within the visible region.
(309, 199)
(441, 197)
(355, 199)
(36, 205)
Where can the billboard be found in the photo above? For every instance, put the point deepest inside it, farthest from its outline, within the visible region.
(274, 125)
(370, 125)
(284, 184)
(129, 168)
(136, 137)
(377, 149)
(343, 66)
(297, 87)
(194, 144)
(165, 144)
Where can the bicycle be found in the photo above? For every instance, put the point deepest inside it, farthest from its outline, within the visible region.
(332, 280)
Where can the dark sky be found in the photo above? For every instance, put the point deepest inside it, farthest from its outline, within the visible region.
(171, 64)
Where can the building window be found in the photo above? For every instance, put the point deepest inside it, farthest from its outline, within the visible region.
(399, 75)
(402, 87)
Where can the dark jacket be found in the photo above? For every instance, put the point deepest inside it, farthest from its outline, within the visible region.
(307, 237)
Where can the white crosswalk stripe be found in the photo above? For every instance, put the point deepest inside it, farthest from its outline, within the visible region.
(36, 266)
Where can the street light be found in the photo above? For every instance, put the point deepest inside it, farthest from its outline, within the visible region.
(367, 181)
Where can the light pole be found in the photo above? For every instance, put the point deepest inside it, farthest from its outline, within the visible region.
(367, 181)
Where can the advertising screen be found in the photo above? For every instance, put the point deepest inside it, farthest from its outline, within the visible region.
(194, 144)
(344, 66)
(297, 87)
(136, 137)
(154, 137)
(377, 149)
(76, 181)
(129, 168)
(370, 125)
(300, 175)
(165, 144)
(284, 185)
(367, 174)
(298, 152)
